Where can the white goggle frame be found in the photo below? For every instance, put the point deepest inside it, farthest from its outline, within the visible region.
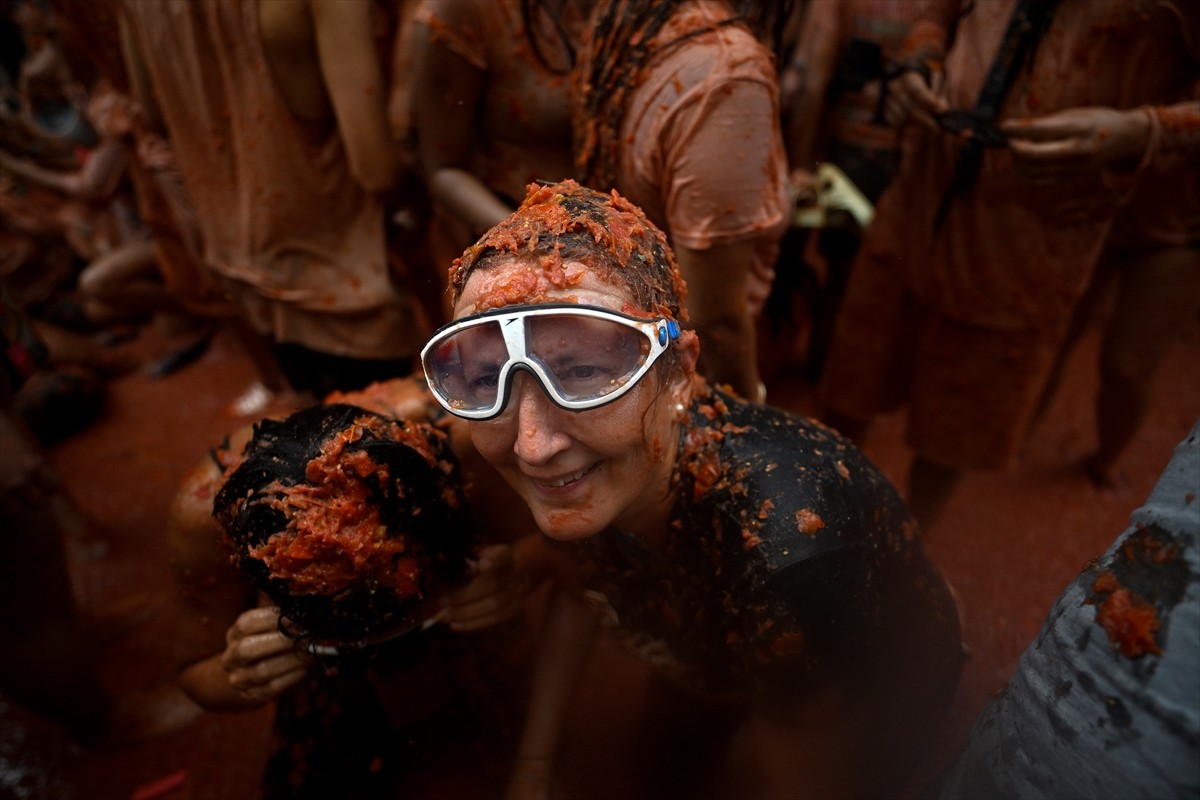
(511, 320)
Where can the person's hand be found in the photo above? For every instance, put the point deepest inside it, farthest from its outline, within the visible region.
(26, 481)
(260, 661)
(910, 98)
(154, 152)
(1068, 143)
(530, 779)
(495, 593)
(12, 163)
(804, 189)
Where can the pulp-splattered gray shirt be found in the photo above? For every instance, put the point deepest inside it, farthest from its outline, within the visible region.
(1106, 702)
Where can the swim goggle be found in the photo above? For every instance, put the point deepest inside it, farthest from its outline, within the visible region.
(583, 356)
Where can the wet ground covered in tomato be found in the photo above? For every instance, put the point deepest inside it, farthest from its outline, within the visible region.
(1009, 543)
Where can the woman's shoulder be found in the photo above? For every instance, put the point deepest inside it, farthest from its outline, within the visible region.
(471, 29)
(774, 447)
(795, 486)
(704, 43)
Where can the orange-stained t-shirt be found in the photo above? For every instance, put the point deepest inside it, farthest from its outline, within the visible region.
(705, 158)
(524, 133)
(298, 241)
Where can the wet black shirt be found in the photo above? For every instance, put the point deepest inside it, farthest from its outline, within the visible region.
(793, 562)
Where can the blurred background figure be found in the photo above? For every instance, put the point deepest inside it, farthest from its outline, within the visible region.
(51, 647)
(1011, 176)
(122, 283)
(61, 208)
(491, 93)
(92, 249)
(51, 97)
(677, 107)
(1145, 291)
(833, 86)
(276, 112)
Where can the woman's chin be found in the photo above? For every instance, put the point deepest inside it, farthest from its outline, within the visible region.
(567, 525)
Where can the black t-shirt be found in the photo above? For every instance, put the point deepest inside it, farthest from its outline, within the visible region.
(792, 563)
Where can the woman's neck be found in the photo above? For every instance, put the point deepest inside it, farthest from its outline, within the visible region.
(650, 522)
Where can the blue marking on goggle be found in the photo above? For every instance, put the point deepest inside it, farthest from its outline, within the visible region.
(671, 332)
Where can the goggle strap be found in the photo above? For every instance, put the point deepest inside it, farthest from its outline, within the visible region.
(668, 334)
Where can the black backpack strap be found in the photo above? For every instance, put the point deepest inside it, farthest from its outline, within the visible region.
(1029, 22)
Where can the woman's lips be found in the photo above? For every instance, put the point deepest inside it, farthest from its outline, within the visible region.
(563, 483)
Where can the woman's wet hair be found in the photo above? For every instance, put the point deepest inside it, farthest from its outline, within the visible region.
(605, 232)
(349, 521)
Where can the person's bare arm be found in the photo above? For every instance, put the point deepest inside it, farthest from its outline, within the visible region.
(468, 198)
(1068, 143)
(716, 280)
(357, 90)
(566, 642)
(447, 93)
(916, 95)
(811, 70)
(502, 579)
(95, 183)
(232, 656)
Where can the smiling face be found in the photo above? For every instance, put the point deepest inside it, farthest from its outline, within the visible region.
(580, 472)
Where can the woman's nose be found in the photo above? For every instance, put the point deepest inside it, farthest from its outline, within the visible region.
(540, 436)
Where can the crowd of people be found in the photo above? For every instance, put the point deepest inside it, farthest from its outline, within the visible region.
(528, 267)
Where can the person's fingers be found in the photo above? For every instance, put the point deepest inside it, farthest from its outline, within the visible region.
(1044, 129)
(265, 671)
(479, 586)
(274, 686)
(249, 649)
(1058, 150)
(1043, 162)
(803, 185)
(895, 111)
(254, 636)
(924, 104)
(494, 558)
(484, 612)
(256, 620)
(479, 606)
(483, 622)
(937, 84)
(492, 570)
(285, 681)
(901, 103)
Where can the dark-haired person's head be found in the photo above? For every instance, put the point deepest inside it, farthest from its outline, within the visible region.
(349, 521)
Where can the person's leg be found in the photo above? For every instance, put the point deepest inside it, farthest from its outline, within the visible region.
(868, 367)
(930, 486)
(1159, 292)
(123, 284)
(974, 394)
(1089, 308)
(68, 348)
(46, 665)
